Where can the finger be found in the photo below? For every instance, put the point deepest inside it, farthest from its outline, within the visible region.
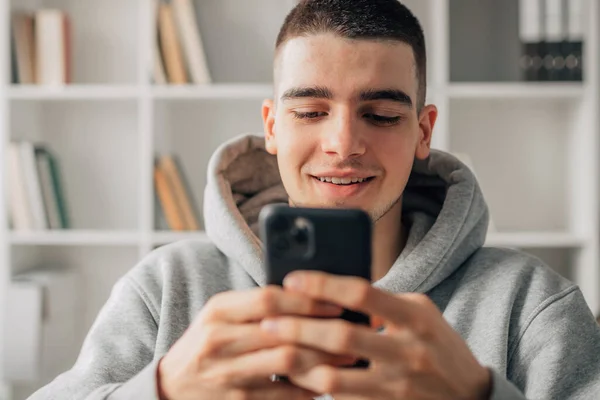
(247, 338)
(275, 391)
(334, 336)
(355, 294)
(282, 360)
(229, 340)
(338, 382)
(255, 304)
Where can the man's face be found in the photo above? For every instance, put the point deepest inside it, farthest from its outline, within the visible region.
(344, 126)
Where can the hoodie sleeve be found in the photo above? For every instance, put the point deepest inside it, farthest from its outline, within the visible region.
(557, 356)
(116, 361)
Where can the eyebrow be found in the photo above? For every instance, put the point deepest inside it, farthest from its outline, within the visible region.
(387, 94)
(319, 92)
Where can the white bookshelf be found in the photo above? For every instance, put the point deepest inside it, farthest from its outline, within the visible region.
(533, 145)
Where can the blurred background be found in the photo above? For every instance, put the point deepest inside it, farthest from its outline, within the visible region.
(109, 111)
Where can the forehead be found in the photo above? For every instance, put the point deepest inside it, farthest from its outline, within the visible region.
(345, 65)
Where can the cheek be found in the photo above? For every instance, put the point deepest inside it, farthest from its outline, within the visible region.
(395, 154)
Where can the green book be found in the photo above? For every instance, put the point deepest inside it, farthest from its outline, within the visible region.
(56, 184)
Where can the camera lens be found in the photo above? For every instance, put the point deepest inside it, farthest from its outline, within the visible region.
(300, 235)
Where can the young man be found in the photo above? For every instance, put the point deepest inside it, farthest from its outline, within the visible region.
(348, 127)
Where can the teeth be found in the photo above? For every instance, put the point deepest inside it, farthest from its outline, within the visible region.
(342, 181)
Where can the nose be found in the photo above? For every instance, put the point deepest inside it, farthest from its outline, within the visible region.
(342, 138)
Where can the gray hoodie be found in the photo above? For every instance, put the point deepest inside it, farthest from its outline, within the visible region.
(528, 324)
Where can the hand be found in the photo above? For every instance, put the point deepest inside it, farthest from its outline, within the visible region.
(225, 355)
(417, 356)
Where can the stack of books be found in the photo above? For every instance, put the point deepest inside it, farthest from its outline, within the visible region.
(41, 48)
(174, 195)
(551, 33)
(36, 198)
(179, 53)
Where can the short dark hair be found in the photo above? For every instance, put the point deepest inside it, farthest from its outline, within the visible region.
(360, 19)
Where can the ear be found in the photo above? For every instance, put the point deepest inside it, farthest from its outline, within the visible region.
(427, 120)
(268, 115)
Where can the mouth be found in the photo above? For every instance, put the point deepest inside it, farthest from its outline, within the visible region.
(343, 181)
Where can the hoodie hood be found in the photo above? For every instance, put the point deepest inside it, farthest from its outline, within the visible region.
(443, 209)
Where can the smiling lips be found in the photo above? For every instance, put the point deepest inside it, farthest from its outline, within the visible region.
(342, 180)
(342, 187)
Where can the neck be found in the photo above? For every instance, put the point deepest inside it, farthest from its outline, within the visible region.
(388, 241)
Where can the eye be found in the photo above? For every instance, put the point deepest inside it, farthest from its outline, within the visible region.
(309, 115)
(381, 120)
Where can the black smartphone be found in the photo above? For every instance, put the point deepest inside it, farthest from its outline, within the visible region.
(336, 241)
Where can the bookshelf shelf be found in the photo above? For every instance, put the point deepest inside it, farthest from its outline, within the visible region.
(75, 238)
(215, 91)
(529, 90)
(535, 240)
(74, 92)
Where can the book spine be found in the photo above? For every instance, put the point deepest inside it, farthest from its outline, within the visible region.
(48, 193)
(58, 190)
(553, 65)
(20, 210)
(530, 35)
(189, 33)
(167, 199)
(182, 198)
(171, 45)
(575, 40)
(50, 47)
(33, 187)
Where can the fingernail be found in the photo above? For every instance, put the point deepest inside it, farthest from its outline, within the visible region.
(293, 281)
(269, 325)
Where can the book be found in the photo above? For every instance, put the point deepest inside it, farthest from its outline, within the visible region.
(168, 201)
(14, 68)
(192, 42)
(19, 210)
(67, 51)
(51, 49)
(530, 35)
(33, 186)
(159, 75)
(575, 38)
(49, 189)
(554, 36)
(184, 204)
(170, 45)
(24, 47)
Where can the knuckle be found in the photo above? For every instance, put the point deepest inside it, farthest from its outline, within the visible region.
(222, 379)
(346, 337)
(360, 294)
(421, 361)
(267, 300)
(319, 283)
(331, 380)
(210, 311)
(211, 340)
(290, 358)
